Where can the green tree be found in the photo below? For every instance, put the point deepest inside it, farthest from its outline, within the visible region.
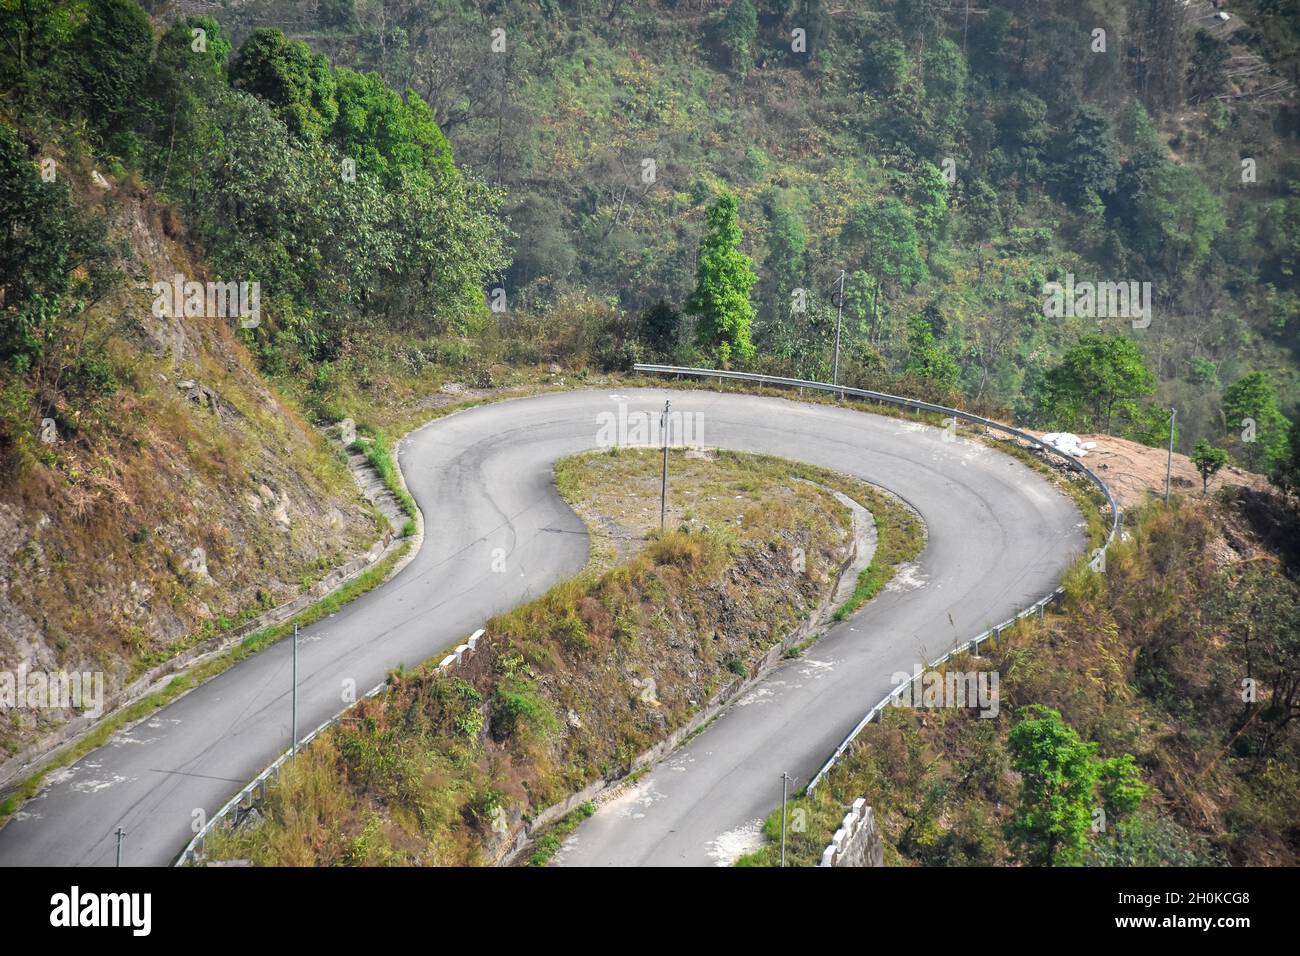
(926, 359)
(921, 21)
(1089, 163)
(1286, 473)
(659, 325)
(185, 91)
(382, 132)
(886, 232)
(787, 259)
(723, 279)
(111, 52)
(945, 94)
(35, 47)
(1176, 220)
(929, 194)
(1250, 404)
(1208, 460)
(1097, 371)
(1059, 782)
(884, 65)
(738, 34)
(286, 74)
(1058, 779)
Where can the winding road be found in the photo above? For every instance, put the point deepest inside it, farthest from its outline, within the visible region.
(999, 537)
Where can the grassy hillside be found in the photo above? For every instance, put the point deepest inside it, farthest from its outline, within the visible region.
(570, 688)
(1148, 659)
(169, 494)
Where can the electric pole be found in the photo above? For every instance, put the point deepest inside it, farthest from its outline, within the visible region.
(1169, 468)
(293, 745)
(835, 372)
(785, 780)
(663, 486)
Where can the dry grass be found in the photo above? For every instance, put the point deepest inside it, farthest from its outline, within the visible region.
(1141, 663)
(570, 687)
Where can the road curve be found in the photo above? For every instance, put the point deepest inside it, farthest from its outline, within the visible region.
(1000, 537)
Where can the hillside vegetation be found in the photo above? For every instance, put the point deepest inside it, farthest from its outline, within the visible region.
(570, 688)
(950, 161)
(1140, 693)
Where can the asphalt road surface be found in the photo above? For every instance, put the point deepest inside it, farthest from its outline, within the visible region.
(999, 538)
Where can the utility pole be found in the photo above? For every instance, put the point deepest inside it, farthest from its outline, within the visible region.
(293, 746)
(835, 372)
(663, 486)
(1169, 468)
(120, 833)
(785, 780)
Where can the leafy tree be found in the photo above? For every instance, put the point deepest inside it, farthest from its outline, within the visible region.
(1286, 473)
(1098, 371)
(738, 34)
(382, 132)
(1252, 399)
(787, 259)
(723, 279)
(54, 262)
(1208, 460)
(887, 233)
(921, 20)
(659, 325)
(35, 47)
(1024, 134)
(1122, 789)
(111, 52)
(1089, 164)
(339, 14)
(184, 91)
(543, 249)
(1060, 777)
(926, 359)
(1176, 219)
(945, 94)
(286, 74)
(988, 48)
(884, 65)
(929, 195)
(1147, 154)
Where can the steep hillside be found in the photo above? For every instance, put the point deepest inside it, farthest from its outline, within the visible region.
(1173, 676)
(952, 160)
(170, 507)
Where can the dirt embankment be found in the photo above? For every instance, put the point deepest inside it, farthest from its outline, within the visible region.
(1136, 472)
(186, 501)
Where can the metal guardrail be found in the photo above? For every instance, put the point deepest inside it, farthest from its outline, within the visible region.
(255, 792)
(1039, 607)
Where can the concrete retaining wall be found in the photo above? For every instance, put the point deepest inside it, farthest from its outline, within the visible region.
(856, 842)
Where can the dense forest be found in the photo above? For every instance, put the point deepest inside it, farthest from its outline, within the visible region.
(471, 184)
